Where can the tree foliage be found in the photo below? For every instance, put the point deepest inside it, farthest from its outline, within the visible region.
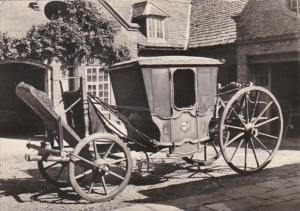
(81, 35)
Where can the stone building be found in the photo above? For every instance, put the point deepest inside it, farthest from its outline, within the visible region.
(16, 18)
(268, 51)
(257, 39)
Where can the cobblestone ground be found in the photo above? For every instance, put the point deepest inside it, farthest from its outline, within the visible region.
(170, 184)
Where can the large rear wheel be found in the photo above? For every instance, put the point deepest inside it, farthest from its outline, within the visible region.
(250, 129)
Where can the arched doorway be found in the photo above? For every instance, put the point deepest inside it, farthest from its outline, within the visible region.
(16, 118)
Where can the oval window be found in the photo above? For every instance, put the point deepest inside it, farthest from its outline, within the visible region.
(55, 9)
(184, 88)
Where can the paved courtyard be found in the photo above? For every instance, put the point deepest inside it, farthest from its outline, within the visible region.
(169, 184)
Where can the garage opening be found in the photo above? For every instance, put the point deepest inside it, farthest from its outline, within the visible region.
(16, 118)
(283, 79)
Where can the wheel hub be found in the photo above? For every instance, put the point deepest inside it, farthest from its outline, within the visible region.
(250, 130)
(102, 165)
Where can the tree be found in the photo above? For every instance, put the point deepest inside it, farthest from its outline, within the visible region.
(12, 48)
(81, 34)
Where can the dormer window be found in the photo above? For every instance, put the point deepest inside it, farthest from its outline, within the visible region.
(151, 18)
(155, 28)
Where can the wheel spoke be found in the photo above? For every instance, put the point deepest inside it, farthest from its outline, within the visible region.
(262, 113)
(246, 151)
(247, 107)
(238, 116)
(215, 148)
(268, 135)
(254, 152)
(95, 150)
(91, 187)
(234, 139)
(262, 144)
(227, 137)
(265, 122)
(254, 108)
(83, 159)
(234, 127)
(108, 151)
(104, 184)
(236, 149)
(51, 165)
(116, 161)
(84, 174)
(116, 175)
(60, 172)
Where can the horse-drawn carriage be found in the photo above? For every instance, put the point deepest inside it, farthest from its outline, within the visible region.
(169, 103)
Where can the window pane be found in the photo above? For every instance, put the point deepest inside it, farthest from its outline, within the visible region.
(106, 77)
(94, 78)
(159, 29)
(89, 78)
(105, 86)
(295, 5)
(151, 27)
(100, 78)
(100, 87)
(105, 94)
(89, 71)
(95, 70)
(184, 88)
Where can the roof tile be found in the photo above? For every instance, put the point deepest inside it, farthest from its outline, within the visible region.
(212, 22)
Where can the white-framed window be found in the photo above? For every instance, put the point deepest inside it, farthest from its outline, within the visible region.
(295, 5)
(155, 28)
(98, 83)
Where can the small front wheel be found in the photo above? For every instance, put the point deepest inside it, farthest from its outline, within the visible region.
(55, 172)
(100, 167)
(250, 129)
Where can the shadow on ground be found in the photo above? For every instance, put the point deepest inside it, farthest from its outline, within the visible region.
(212, 184)
(195, 182)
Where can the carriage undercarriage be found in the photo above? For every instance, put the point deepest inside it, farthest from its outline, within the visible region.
(242, 119)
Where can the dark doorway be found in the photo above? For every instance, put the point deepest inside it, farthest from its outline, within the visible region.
(285, 85)
(16, 118)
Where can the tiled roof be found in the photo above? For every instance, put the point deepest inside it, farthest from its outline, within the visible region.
(176, 25)
(268, 20)
(212, 22)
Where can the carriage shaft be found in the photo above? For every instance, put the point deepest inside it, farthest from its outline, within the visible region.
(43, 150)
(29, 157)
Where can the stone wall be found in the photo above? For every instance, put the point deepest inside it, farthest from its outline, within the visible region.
(269, 52)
